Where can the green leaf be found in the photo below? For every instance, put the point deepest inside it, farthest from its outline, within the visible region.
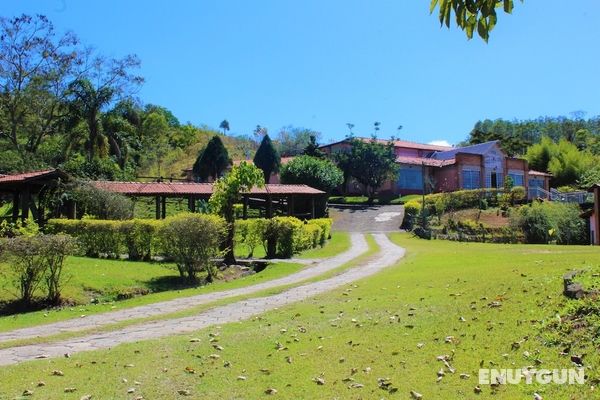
(482, 29)
(492, 22)
(432, 6)
(508, 6)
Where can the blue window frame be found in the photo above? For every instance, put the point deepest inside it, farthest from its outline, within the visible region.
(410, 179)
(471, 179)
(518, 178)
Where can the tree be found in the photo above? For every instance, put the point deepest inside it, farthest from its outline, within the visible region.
(106, 81)
(213, 161)
(343, 159)
(372, 163)
(226, 192)
(267, 158)
(292, 141)
(225, 126)
(312, 148)
(472, 14)
(35, 66)
(318, 173)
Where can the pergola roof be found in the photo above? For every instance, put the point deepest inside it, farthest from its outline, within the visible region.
(196, 189)
(31, 176)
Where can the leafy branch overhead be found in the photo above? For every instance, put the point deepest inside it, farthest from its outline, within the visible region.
(471, 15)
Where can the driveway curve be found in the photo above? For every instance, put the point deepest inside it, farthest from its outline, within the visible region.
(358, 246)
(388, 255)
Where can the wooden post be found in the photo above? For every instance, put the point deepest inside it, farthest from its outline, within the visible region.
(25, 200)
(164, 207)
(157, 207)
(290, 201)
(245, 209)
(15, 208)
(312, 207)
(269, 207)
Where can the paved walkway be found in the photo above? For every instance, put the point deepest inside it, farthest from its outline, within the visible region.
(358, 246)
(237, 311)
(351, 218)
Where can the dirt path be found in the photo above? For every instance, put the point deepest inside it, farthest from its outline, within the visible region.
(358, 246)
(237, 311)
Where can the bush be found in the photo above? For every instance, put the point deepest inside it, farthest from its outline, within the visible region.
(139, 237)
(55, 249)
(412, 209)
(35, 259)
(319, 173)
(100, 203)
(251, 233)
(545, 222)
(193, 240)
(96, 237)
(325, 224)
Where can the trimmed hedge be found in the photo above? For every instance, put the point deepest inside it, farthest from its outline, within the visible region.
(281, 236)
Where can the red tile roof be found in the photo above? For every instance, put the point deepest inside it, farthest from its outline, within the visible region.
(429, 162)
(189, 188)
(399, 143)
(26, 176)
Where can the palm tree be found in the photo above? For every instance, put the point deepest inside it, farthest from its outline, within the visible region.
(225, 126)
(87, 103)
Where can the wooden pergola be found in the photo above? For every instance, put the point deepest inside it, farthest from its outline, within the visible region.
(288, 197)
(28, 191)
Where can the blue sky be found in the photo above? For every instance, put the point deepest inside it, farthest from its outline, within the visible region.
(322, 63)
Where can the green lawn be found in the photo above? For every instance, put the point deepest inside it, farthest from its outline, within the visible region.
(110, 280)
(392, 326)
(363, 200)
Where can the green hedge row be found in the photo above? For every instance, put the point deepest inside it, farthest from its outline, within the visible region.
(439, 203)
(137, 237)
(281, 236)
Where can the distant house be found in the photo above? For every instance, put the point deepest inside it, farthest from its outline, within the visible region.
(432, 168)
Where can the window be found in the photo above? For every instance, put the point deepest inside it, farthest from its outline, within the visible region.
(534, 182)
(410, 179)
(518, 177)
(471, 179)
(493, 180)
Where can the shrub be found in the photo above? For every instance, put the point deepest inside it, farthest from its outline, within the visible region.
(18, 228)
(193, 240)
(412, 209)
(325, 224)
(55, 249)
(251, 233)
(319, 173)
(101, 203)
(96, 237)
(139, 237)
(35, 259)
(543, 222)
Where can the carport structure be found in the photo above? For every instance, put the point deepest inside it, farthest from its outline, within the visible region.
(296, 200)
(29, 190)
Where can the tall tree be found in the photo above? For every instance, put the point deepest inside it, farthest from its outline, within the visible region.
(372, 164)
(312, 148)
(213, 161)
(292, 141)
(35, 67)
(227, 191)
(225, 126)
(267, 158)
(107, 81)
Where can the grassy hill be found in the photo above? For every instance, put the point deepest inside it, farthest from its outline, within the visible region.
(177, 160)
